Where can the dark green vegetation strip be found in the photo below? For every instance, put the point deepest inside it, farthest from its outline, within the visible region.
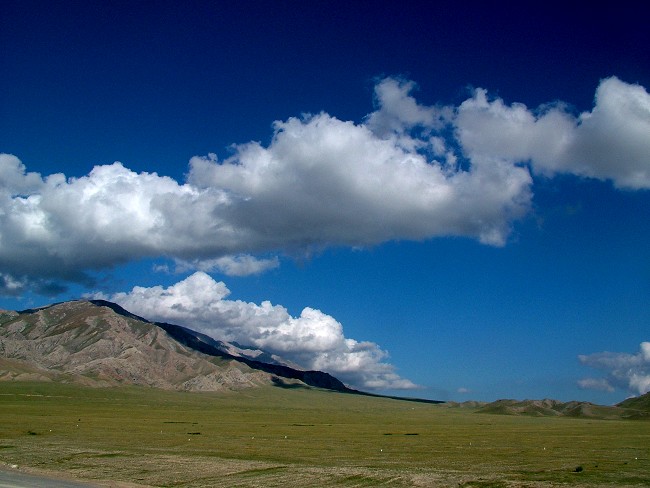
(305, 437)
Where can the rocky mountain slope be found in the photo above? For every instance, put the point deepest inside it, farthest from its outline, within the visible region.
(97, 343)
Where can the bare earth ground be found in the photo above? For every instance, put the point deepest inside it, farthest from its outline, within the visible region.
(297, 437)
(173, 471)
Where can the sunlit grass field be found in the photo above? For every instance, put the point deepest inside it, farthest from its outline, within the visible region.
(304, 437)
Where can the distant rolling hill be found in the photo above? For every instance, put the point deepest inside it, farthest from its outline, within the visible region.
(98, 343)
(641, 403)
(575, 409)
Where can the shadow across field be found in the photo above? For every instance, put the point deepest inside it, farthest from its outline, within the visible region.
(280, 383)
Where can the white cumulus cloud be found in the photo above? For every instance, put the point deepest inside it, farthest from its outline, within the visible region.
(609, 143)
(313, 340)
(320, 182)
(623, 370)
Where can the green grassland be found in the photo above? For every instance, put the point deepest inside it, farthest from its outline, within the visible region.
(296, 436)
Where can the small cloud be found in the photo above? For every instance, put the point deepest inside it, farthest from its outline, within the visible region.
(595, 384)
(10, 286)
(623, 370)
(463, 391)
(14, 287)
(238, 265)
(161, 268)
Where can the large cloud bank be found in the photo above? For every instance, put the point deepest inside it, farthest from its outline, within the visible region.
(312, 340)
(408, 171)
(622, 370)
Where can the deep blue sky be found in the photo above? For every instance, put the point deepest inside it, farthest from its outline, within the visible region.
(88, 83)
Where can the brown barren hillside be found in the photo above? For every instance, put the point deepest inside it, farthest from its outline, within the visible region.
(97, 343)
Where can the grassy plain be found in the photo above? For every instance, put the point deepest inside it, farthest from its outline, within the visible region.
(304, 437)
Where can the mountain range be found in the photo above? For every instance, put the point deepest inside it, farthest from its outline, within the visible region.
(635, 408)
(99, 344)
